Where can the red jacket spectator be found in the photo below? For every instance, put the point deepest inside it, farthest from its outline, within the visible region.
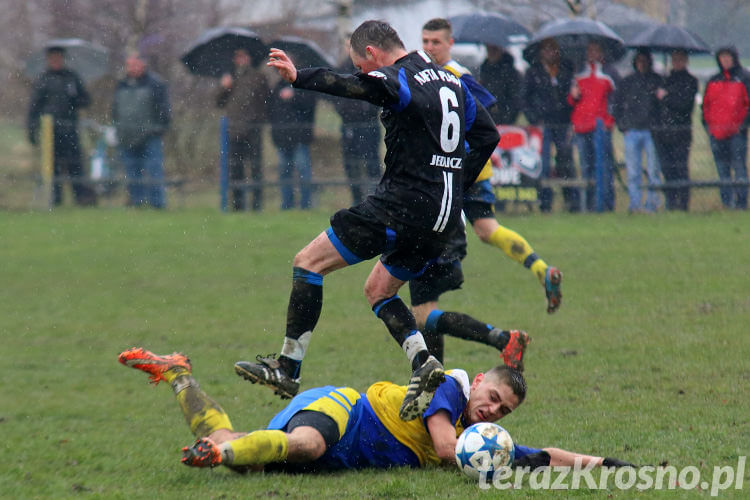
(726, 100)
(596, 84)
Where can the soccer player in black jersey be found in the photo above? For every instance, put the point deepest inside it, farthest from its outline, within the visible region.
(437, 140)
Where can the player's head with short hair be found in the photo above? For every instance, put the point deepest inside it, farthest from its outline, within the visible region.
(494, 394)
(438, 24)
(376, 33)
(437, 39)
(510, 376)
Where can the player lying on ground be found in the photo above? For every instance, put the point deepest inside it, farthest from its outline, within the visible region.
(430, 120)
(339, 428)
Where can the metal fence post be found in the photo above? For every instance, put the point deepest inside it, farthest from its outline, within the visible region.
(46, 141)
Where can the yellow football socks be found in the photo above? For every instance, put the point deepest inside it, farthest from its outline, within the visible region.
(257, 448)
(202, 414)
(539, 267)
(517, 248)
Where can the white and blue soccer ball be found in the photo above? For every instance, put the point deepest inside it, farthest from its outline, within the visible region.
(484, 448)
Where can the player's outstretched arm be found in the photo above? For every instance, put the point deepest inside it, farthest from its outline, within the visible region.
(559, 457)
(278, 59)
(443, 434)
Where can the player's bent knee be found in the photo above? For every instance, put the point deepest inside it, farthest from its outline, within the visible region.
(305, 444)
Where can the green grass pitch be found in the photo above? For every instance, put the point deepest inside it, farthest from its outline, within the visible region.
(647, 360)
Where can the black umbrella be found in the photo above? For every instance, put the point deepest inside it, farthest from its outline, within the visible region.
(489, 29)
(89, 60)
(573, 35)
(668, 37)
(211, 54)
(303, 52)
(628, 30)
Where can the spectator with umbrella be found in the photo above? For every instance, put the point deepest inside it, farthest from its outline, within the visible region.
(59, 92)
(231, 53)
(244, 94)
(672, 135)
(546, 86)
(592, 122)
(674, 132)
(636, 111)
(497, 73)
(726, 101)
(292, 112)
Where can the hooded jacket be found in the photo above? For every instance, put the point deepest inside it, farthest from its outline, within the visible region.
(726, 99)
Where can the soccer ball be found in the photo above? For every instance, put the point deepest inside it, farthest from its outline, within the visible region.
(484, 448)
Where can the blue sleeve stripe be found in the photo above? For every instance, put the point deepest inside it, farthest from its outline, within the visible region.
(390, 239)
(521, 451)
(343, 396)
(377, 308)
(480, 93)
(471, 106)
(308, 276)
(404, 94)
(430, 324)
(348, 410)
(533, 257)
(345, 253)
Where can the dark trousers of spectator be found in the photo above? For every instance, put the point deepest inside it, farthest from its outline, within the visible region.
(730, 156)
(295, 157)
(241, 150)
(597, 164)
(673, 151)
(360, 150)
(67, 163)
(561, 137)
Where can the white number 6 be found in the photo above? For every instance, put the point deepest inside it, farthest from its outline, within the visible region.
(449, 129)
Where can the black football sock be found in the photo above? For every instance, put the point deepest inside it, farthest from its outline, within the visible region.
(403, 328)
(435, 343)
(305, 304)
(465, 327)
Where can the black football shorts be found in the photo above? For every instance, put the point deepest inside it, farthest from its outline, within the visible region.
(404, 251)
(435, 281)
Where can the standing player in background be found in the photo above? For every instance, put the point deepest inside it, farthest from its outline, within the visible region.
(446, 273)
(429, 118)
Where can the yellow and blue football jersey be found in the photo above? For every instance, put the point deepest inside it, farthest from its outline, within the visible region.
(371, 432)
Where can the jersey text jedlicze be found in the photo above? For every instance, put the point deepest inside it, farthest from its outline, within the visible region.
(435, 133)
